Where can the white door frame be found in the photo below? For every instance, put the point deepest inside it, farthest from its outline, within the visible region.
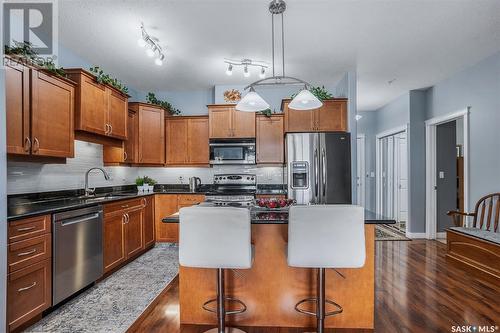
(378, 151)
(362, 165)
(430, 167)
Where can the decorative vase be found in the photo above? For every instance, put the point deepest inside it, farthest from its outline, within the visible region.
(140, 188)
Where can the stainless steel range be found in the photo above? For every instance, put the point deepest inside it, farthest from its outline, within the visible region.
(233, 190)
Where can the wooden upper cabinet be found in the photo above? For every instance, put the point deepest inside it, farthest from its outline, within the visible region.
(243, 124)
(198, 149)
(39, 110)
(227, 123)
(99, 109)
(332, 116)
(117, 115)
(131, 154)
(52, 105)
(150, 133)
(298, 121)
(17, 93)
(177, 140)
(270, 139)
(220, 121)
(187, 140)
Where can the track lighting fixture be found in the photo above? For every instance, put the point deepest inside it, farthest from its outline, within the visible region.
(247, 64)
(152, 46)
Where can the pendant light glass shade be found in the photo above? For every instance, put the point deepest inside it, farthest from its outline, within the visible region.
(305, 100)
(252, 102)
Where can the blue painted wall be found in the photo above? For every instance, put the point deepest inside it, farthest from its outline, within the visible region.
(478, 87)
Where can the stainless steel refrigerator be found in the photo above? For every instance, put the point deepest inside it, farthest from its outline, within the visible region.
(319, 167)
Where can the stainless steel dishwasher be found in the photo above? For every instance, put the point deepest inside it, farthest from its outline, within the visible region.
(77, 251)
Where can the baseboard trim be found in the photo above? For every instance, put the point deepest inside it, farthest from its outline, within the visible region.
(416, 235)
(441, 234)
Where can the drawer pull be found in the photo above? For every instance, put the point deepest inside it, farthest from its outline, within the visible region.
(25, 229)
(22, 254)
(28, 287)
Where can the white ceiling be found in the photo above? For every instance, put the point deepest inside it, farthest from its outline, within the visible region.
(418, 43)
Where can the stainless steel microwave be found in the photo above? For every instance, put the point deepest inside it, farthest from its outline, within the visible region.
(239, 151)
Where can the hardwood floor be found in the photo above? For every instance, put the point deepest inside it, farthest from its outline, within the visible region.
(417, 290)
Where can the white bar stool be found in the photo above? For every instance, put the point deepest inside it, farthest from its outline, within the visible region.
(216, 237)
(325, 236)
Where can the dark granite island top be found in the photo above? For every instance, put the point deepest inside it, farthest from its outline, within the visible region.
(262, 216)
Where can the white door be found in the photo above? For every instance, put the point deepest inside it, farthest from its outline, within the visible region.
(360, 177)
(402, 183)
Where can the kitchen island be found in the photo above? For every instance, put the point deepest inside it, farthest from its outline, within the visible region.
(271, 288)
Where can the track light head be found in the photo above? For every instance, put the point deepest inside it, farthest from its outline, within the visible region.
(229, 70)
(246, 73)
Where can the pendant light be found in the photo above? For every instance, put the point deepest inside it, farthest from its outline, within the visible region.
(252, 102)
(304, 100)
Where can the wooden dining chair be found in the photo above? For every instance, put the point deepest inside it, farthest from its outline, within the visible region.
(486, 214)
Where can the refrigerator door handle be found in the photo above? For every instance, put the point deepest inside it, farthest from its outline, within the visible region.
(323, 168)
(316, 174)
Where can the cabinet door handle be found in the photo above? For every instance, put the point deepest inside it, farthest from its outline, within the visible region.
(125, 156)
(124, 219)
(25, 229)
(22, 254)
(26, 288)
(36, 145)
(110, 129)
(144, 202)
(106, 129)
(127, 217)
(27, 144)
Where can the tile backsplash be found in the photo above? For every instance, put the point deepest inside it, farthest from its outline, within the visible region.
(27, 177)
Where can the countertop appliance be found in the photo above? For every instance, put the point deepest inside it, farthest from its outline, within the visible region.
(233, 190)
(77, 251)
(194, 183)
(232, 151)
(319, 167)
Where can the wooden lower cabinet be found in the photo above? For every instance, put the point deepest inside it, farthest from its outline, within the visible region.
(149, 221)
(29, 260)
(166, 205)
(126, 224)
(134, 241)
(114, 240)
(29, 292)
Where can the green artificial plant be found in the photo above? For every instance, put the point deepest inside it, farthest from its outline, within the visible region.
(104, 78)
(151, 99)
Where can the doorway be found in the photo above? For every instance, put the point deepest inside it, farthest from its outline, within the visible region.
(392, 177)
(446, 171)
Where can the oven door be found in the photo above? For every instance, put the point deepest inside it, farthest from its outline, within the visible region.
(232, 152)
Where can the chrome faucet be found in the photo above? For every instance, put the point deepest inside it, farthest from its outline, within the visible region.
(91, 191)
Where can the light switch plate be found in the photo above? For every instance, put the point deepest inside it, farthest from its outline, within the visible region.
(441, 174)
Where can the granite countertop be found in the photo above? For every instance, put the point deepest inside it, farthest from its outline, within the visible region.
(32, 204)
(263, 216)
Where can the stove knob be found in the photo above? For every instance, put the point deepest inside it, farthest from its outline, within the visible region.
(248, 178)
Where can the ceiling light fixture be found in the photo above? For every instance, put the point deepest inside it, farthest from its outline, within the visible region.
(152, 45)
(304, 100)
(246, 64)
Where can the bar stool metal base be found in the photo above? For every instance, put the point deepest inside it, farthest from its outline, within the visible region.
(227, 330)
(221, 307)
(320, 301)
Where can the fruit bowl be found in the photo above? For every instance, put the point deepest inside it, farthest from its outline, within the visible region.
(273, 203)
